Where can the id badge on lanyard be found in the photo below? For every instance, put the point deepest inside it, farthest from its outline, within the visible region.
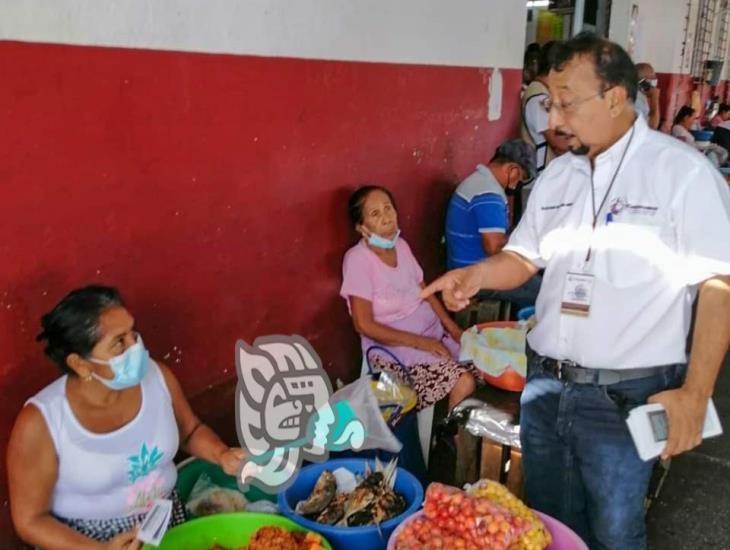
(577, 294)
(578, 287)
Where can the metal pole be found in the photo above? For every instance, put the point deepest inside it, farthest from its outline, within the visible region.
(602, 18)
(578, 15)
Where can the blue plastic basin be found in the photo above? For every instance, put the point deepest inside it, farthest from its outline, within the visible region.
(702, 135)
(350, 538)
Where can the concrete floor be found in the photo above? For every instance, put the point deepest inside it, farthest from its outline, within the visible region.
(693, 508)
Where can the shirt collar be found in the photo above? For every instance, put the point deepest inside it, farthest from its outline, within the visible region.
(613, 154)
(486, 172)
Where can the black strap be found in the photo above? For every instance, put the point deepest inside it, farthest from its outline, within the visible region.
(403, 368)
(524, 116)
(523, 121)
(603, 377)
(596, 212)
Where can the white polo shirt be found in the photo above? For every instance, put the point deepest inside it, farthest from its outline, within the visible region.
(670, 230)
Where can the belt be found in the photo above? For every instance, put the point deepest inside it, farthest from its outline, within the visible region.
(572, 372)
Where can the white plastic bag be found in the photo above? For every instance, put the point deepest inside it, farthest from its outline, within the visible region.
(207, 498)
(365, 405)
(262, 506)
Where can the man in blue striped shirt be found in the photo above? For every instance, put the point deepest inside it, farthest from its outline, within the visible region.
(477, 219)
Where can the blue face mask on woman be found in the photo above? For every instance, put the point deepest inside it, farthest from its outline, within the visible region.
(129, 368)
(382, 242)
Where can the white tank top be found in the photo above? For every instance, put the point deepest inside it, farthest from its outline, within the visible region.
(117, 474)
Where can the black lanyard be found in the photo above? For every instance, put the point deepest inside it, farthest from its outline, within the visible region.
(596, 212)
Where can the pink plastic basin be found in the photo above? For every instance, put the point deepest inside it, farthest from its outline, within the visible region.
(564, 538)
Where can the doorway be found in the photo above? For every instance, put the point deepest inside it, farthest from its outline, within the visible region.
(560, 19)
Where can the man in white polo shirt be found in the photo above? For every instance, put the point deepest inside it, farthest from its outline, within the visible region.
(630, 227)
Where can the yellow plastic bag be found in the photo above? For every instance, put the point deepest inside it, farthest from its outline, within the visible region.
(537, 537)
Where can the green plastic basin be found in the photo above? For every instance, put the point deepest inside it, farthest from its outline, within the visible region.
(232, 531)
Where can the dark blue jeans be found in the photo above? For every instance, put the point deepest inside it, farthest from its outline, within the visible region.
(580, 463)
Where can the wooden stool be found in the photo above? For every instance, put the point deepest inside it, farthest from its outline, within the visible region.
(481, 458)
(502, 463)
(482, 311)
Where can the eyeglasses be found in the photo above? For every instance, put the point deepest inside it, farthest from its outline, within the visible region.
(568, 106)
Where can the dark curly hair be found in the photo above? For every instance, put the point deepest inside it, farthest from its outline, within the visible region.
(73, 325)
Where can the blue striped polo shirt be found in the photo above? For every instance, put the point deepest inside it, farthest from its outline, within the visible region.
(479, 205)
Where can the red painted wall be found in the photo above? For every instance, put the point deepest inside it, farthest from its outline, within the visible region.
(676, 90)
(722, 90)
(705, 95)
(211, 190)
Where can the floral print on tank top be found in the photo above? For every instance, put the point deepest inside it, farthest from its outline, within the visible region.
(146, 483)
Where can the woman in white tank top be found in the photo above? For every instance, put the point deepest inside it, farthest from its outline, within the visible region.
(91, 451)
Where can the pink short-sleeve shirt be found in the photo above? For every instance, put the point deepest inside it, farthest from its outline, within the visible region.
(393, 291)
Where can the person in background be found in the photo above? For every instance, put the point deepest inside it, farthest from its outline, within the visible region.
(477, 218)
(530, 63)
(614, 311)
(712, 107)
(647, 97)
(90, 453)
(722, 116)
(381, 283)
(534, 121)
(685, 119)
(683, 122)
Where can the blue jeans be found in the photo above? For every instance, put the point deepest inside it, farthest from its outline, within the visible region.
(580, 463)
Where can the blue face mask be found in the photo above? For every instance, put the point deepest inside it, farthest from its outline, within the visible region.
(381, 242)
(129, 368)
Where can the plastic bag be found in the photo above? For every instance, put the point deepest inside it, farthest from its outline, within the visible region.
(461, 520)
(346, 480)
(493, 350)
(207, 498)
(481, 419)
(394, 391)
(536, 536)
(262, 506)
(360, 397)
(394, 396)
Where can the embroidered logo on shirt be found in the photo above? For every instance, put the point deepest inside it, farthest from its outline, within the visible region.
(557, 206)
(619, 204)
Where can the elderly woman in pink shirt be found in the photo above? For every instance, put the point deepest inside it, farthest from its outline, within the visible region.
(382, 282)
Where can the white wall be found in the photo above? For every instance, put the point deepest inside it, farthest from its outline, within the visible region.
(618, 29)
(480, 33)
(726, 66)
(659, 32)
